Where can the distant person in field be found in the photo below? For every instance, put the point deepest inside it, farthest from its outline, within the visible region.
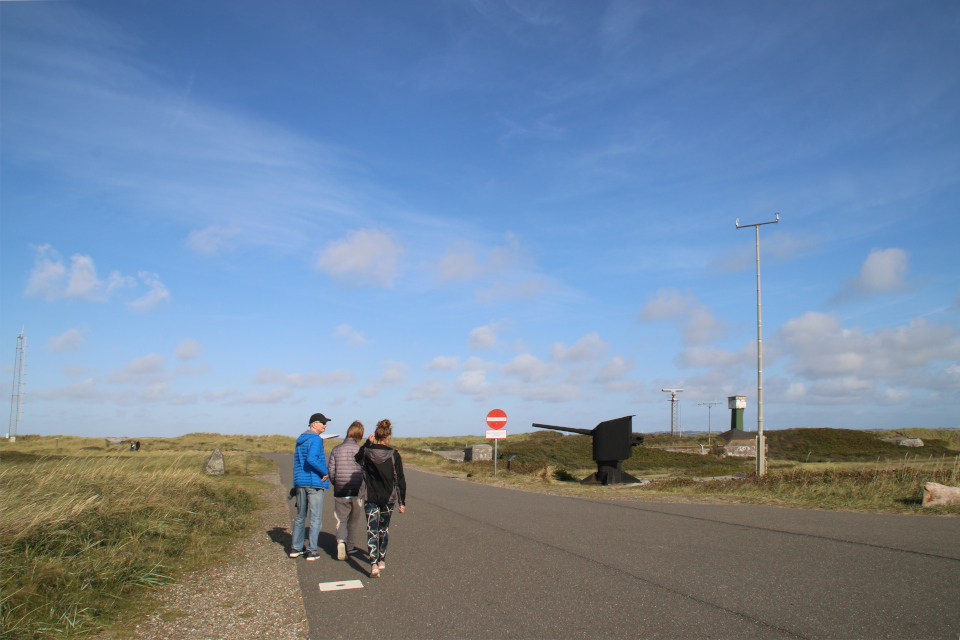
(383, 488)
(138, 445)
(346, 474)
(310, 481)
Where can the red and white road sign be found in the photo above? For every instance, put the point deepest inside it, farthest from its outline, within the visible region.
(496, 434)
(497, 419)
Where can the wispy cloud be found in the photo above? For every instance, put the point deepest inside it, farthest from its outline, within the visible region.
(588, 348)
(69, 340)
(303, 380)
(696, 320)
(354, 338)
(212, 240)
(157, 295)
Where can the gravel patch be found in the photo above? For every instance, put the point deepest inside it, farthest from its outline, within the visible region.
(254, 595)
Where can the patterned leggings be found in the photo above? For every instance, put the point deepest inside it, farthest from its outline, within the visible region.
(378, 523)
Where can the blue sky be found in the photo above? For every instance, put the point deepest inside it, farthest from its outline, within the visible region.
(224, 217)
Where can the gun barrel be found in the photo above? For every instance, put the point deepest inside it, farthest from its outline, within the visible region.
(586, 432)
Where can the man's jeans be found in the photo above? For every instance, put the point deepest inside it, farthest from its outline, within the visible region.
(312, 498)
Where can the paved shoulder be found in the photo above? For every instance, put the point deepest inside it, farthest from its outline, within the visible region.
(475, 561)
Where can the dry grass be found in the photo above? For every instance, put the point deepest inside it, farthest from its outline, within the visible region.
(81, 537)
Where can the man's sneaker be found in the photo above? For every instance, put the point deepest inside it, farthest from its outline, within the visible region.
(295, 553)
(354, 551)
(312, 555)
(341, 551)
(374, 571)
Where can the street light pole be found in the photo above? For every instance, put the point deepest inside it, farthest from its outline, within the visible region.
(761, 451)
(710, 405)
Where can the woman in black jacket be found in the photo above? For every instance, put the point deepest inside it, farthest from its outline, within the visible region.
(383, 488)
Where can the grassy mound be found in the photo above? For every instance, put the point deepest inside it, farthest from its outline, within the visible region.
(841, 445)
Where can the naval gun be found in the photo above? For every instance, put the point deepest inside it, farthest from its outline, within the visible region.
(613, 442)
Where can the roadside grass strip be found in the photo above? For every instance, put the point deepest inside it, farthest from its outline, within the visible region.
(82, 538)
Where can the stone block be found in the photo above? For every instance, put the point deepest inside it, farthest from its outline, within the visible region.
(478, 452)
(938, 495)
(214, 464)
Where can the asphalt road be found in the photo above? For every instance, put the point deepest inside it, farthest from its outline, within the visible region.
(474, 561)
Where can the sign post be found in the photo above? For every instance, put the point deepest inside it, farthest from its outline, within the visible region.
(496, 419)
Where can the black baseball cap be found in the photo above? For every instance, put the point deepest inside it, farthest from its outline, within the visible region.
(319, 417)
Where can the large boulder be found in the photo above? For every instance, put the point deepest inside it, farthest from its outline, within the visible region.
(214, 464)
(938, 495)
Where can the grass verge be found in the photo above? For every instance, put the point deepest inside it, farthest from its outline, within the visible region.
(82, 538)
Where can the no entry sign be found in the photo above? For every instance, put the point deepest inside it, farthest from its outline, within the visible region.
(497, 419)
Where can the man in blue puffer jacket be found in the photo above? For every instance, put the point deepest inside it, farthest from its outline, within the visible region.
(309, 481)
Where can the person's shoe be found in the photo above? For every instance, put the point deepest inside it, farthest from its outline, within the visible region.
(295, 553)
(382, 565)
(312, 555)
(354, 551)
(374, 571)
(341, 551)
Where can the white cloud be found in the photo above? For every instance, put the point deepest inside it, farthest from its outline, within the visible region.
(506, 263)
(82, 390)
(696, 321)
(74, 370)
(884, 271)
(69, 340)
(529, 368)
(474, 383)
(614, 368)
(211, 240)
(442, 363)
(430, 389)
(369, 391)
(188, 370)
(303, 380)
(484, 337)
(83, 282)
(851, 365)
(46, 278)
(393, 373)
(213, 396)
(589, 347)
(366, 258)
(51, 280)
(152, 363)
(354, 337)
(158, 293)
(188, 349)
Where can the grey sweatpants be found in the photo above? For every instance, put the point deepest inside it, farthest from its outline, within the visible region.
(350, 521)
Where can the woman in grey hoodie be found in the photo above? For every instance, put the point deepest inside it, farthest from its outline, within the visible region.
(383, 488)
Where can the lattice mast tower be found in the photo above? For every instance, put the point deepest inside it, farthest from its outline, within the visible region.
(16, 394)
(674, 411)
